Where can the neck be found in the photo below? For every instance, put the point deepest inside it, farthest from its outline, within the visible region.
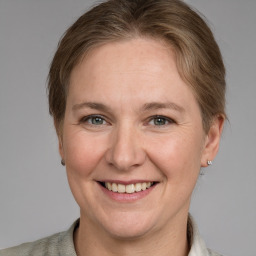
(171, 240)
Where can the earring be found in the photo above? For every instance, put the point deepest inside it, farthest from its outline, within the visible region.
(62, 162)
(209, 162)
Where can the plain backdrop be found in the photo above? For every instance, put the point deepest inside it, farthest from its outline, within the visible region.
(35, 200)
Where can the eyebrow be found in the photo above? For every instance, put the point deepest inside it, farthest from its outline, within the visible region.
(92, 105)
(145, 107)
(160, 105)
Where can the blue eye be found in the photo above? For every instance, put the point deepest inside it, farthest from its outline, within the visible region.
(160, 121)
(94, 120)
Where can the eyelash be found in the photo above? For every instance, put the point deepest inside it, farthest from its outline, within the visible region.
(86, 119)
(89, 120)
(167, 120)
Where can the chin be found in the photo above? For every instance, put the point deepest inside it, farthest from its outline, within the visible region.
(128, 225)
(130, 232)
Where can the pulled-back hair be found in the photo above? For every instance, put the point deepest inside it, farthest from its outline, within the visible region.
(198, 57)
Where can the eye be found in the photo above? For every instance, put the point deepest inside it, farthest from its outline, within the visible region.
(160, 121)
(94, 120)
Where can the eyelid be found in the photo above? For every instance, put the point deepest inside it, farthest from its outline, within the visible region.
(86, 118)
(168, 119)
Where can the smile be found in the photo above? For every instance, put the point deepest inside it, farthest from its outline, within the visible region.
(129, 188)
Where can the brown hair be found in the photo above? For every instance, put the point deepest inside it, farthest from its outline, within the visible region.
(198, 57)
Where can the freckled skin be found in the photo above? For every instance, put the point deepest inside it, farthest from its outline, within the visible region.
(124, 76)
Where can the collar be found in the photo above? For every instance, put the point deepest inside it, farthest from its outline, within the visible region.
(196, 243)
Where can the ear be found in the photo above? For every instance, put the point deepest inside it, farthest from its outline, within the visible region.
(212, 140)
(61, 150)
(60, 138)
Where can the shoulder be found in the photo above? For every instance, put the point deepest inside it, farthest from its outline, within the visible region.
(212, 253)
(57, 244)
(45, 246)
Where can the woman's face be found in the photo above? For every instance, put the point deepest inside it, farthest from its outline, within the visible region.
(131, 123)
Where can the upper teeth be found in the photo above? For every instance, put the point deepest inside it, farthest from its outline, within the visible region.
(130, 188)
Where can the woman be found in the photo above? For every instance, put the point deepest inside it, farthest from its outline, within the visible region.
(137, 94)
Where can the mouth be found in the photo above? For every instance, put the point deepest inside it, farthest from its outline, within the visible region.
(127, 188)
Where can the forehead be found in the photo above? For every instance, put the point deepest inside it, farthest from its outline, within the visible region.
(144, 69)
(139, 53)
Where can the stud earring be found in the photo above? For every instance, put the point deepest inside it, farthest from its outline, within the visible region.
(209, 162)
(62, 162)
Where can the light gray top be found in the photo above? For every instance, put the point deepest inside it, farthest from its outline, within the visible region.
(61, 244)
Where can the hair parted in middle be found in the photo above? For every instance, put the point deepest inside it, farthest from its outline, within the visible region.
(173, 22)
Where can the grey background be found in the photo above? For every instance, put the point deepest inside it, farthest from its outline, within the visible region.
(35, 200)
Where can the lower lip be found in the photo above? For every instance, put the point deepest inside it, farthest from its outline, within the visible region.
(127, 197)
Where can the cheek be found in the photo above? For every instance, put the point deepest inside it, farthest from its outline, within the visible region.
(83, 153)
(178, 157)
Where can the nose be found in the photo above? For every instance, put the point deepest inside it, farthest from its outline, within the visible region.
(126, 149)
